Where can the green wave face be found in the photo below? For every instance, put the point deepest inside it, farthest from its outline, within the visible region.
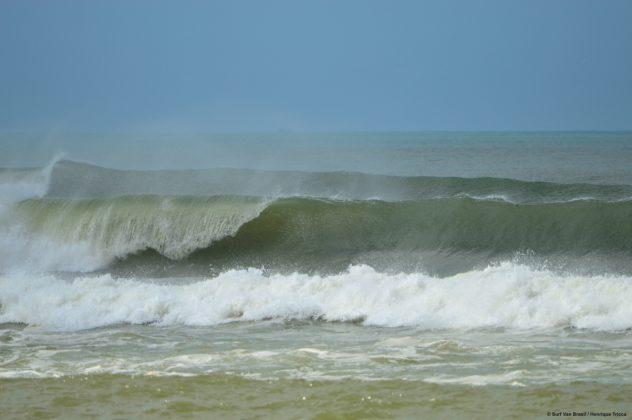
(452, 224)
(411, 235)
(439, 235)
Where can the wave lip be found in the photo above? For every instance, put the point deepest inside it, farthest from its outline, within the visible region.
(104, 229)
(505, 296)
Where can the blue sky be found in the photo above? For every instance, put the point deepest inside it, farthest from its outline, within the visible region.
(362, 65)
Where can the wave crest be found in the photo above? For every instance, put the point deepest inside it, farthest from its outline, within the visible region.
(118, 227)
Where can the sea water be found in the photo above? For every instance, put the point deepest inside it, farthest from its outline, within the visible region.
(296, 275)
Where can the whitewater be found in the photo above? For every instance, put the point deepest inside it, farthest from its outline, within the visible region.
(507, 296)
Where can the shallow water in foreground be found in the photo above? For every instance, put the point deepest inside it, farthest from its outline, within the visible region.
(222, 396)
(298, 369)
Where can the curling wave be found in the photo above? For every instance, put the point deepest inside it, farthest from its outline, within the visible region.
(105, 229)
(322, 235)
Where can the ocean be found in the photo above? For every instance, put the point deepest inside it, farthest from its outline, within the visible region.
(332, 275)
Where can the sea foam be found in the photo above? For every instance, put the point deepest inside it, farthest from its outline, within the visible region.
(505, 296)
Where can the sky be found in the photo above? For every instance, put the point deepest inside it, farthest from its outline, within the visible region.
(341, 65)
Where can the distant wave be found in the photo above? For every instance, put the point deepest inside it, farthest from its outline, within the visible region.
(78, 180)
(505, 296)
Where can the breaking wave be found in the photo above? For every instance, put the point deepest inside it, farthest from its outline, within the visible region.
(504, 296)
(304, 234)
